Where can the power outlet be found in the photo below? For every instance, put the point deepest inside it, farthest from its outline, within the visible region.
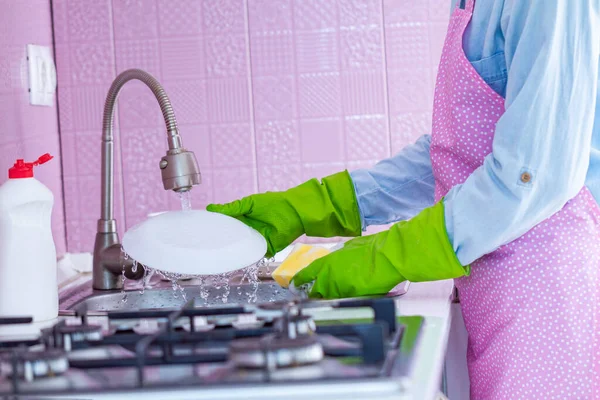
(42, 75)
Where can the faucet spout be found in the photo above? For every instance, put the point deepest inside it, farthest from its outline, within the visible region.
(179, 170)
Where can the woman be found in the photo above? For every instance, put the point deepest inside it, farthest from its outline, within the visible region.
(502, 196)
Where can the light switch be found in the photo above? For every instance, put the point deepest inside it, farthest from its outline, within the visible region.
(42, 75)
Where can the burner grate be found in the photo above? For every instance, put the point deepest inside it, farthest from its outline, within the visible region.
(370, 341)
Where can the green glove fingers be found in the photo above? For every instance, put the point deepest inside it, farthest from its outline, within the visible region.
(234, 209)
(415, 250)
(324, 209)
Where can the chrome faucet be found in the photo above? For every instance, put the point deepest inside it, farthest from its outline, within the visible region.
(179, 170)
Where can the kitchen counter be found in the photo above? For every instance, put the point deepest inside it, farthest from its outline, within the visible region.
(431, 300)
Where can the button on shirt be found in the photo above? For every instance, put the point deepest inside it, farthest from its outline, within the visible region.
(542, 57)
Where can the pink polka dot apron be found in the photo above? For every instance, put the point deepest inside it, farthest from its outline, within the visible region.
(532, 307)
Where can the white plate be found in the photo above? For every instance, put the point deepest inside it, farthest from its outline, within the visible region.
(194, 242)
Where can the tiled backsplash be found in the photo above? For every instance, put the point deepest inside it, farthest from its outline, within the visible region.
(28, 131)
(268, 93)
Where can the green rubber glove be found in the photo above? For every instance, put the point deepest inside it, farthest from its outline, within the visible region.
(322, 209)
(416, 250)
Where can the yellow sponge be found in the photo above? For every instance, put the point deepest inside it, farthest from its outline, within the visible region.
(301, 256)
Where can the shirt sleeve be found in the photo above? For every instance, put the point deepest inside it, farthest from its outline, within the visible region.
(396, 188)
(552, 51)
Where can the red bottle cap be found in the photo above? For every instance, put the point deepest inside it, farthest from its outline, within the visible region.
(22, 169)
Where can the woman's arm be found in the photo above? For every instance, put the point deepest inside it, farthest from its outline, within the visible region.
(552, 51)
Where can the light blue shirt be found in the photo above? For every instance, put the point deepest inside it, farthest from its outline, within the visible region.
(542, 57)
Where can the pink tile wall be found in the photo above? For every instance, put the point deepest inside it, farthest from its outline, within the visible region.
(267, 93)
(28, 131)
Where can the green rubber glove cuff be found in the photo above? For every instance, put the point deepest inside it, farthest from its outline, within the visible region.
(415, 250)
(427, 252)
(328, 208)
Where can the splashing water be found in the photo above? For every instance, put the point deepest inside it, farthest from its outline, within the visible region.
(148, 273)
(220, 282)
(203, 289)
(251, 276)
(186, 200)
(174, 279)
(125, 257)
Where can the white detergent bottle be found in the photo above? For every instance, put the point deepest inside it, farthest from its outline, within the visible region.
(28, 283)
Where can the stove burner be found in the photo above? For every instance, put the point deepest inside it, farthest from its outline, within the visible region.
(34, 364)
(64, 336)
(292, 344)
(273, 351)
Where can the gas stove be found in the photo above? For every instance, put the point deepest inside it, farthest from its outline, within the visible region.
(215, 351)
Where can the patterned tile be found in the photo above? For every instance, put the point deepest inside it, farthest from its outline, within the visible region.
(144, 193)
(321, 61)
(88, 104)
(140, 54)
(138, 107)
(189, 99)
(269, 15)
(317, 52)
(319, 95)
(60, 21)
(367, 138)
(35, 122)
(363, 93)
(179, 18)
(182, 58)
(274, 98)
(229, 100)
(68, 145)
(407, 46)
(88, 153)
(226, 55)
(322, 141)
(407, 11)
(407, 128)
(279, 178)
(315, 14)
(319, 171)
(232, 145)
(63, 65)
(81, 234)
(439, 10)
(12, 75)
(362, 49)
(142, 149)
(410, 90)
(233, 183)
(354, 13)
(88, 21)
(277, 143)
(272, 53)
(89, 195)
(94, 64)
(66, 109)
(135, 19)
(437, 35)
(196, 138)
(224, 16)
(9, 120)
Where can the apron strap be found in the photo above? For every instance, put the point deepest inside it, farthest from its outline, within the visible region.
(470, 6)
(467, 5)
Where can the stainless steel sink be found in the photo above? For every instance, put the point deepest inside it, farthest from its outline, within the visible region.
(162, 295)
(168, 298)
